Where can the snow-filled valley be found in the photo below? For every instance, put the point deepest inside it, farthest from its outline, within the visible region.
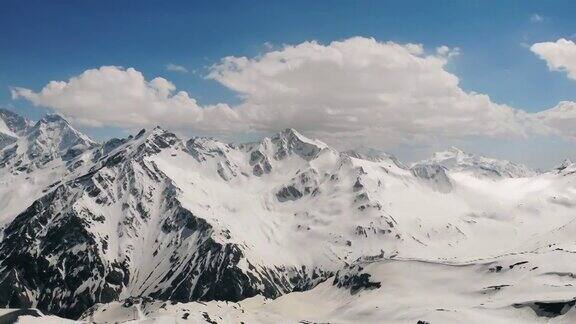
(158, 228)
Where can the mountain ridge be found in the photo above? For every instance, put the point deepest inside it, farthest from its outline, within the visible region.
(168, 218)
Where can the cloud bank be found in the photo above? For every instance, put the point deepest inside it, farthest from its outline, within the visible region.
(353, 91)
(364, 89)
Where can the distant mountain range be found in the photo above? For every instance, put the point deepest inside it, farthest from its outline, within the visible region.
(287, 229)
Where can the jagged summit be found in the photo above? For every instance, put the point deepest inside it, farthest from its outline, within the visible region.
(50, 139)
(289, 132)
(53, 136)
(53, 118)
(56, 123)
(290, 141)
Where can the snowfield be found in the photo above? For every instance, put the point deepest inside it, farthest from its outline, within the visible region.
(156, 228)
(403, 291)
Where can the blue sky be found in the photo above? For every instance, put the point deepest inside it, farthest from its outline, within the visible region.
(55, 40)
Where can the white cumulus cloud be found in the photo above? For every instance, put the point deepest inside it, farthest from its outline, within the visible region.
(113, 96)
(362, 89)
(559, 55)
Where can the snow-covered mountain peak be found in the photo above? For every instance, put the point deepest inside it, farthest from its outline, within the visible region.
(452, 155)
(46, 154)
(53, 118)
(56, 129)
(52, 138)
(373, 155)
(156, 132)
(12, 124)
(291, 132)
(457, 160)
(208, 144)
(567, 167)
(145, 143)
(289, 141)
(203, 148)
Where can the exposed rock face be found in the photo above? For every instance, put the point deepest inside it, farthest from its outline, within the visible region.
(260, 163)
(551, 308)
(304, 183)
(353, 278)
